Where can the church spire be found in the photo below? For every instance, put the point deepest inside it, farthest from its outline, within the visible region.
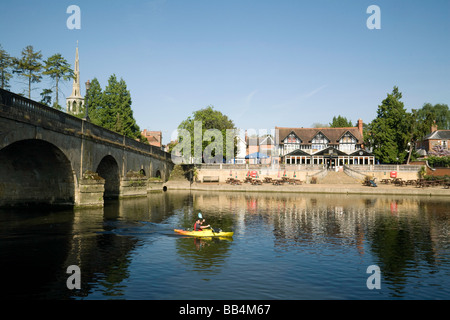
(75, 101)
(76, 79)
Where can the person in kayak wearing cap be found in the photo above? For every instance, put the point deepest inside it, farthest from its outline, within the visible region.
(198, 224)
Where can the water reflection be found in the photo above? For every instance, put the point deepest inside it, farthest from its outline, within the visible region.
(129, 245)
(203, 255)
(406, 237)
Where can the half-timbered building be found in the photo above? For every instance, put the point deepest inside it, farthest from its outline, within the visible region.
(323, 146)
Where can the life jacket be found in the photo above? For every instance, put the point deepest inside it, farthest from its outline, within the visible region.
(197, 227)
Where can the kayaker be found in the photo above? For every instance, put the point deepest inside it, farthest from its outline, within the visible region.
(198, 224)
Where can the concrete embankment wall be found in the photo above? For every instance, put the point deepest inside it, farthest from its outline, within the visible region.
(380, 173)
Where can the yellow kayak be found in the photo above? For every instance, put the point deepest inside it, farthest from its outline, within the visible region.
(204, 233)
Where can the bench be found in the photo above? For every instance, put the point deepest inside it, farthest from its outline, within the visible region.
(211, 179)
(277, 182)
(256, 182)
(295, 181)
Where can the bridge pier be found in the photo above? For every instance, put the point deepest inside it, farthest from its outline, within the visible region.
(91, 189)
(133, 185)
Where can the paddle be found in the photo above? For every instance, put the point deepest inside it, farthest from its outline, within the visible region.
(215, 231)
(212, 229)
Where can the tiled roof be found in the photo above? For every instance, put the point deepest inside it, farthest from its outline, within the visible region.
(438, 135)
(307, 134)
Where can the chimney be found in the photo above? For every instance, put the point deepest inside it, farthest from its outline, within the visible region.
(360, 126)
(434, 127)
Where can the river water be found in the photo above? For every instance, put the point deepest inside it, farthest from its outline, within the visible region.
(285, 247)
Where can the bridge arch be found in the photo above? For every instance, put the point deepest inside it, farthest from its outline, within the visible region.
(108, 169)
(34, 171)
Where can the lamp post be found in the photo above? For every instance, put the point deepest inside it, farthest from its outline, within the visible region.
(86, 107)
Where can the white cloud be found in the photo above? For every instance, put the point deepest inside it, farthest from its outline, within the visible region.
(310, 94)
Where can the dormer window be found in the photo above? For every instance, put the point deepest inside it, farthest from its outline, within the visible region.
(347, 142)
(319, 142)
(292, 138)
(291, 143)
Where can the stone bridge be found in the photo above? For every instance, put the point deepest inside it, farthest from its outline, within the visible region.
(50, 157)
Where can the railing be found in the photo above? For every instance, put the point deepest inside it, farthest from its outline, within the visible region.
(287, 167)
(18, 105)
(384, 167)
(24, 108)
(354, 173)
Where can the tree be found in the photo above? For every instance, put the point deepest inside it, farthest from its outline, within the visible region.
(46, 97)
(340, 122)
(94, 101)
(6, 62)
(58, 69)
(389, 133)
(320, 125)
(116, 113)
(209, 120)
(440, 113)
(29, 66)
(419, 126)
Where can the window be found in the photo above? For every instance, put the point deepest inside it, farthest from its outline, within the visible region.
(347, 143)
(292, 138)
(319, 142)
(291, 143)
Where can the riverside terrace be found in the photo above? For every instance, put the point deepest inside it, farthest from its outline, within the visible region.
(314, 179)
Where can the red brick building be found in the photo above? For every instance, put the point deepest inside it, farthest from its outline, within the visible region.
(154, 137)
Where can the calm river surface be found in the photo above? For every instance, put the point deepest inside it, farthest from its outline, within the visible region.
(285, 246)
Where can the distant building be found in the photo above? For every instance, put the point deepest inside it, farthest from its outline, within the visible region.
(241, 150)
(154, 137)
(260, 149)
(437, 139)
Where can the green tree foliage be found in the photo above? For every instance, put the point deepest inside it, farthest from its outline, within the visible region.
(6, 63)
(418, 127)
(46, 97)
(439, 161)
(116, 113)
(389, 133)
(439, 112)
(340, 122)
(210, 119)
(29, 66)
(111, 108)
(94, 101)
(57, 68)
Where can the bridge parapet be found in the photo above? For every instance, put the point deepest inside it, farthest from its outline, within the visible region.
(23, 109)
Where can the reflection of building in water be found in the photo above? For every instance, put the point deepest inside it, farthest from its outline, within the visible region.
(344, 220)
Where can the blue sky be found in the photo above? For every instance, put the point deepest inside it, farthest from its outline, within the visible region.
(263, 63)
